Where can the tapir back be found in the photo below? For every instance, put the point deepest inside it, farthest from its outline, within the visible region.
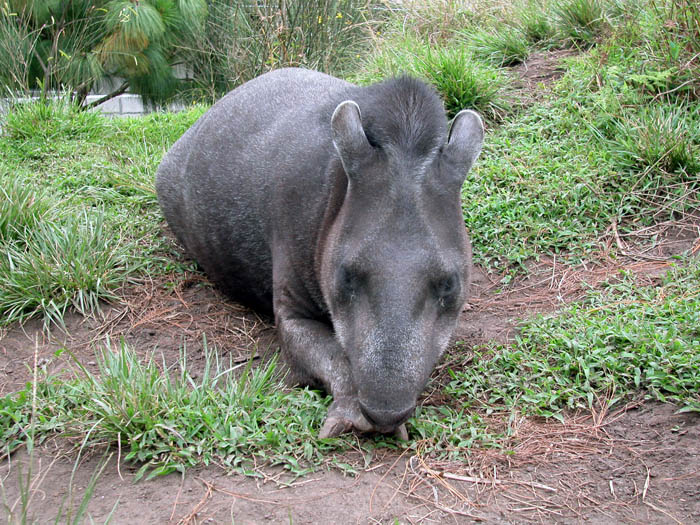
(249, 167)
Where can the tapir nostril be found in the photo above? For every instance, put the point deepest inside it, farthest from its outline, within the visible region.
(386, 418)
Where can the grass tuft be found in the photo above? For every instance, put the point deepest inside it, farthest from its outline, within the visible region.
(534, 22)
(580, 21)
(461, 81)
(51, 119)
(22, 208)
(464, 83)
(662, 138)
(503, 47)
(167, 420)
(76, 262)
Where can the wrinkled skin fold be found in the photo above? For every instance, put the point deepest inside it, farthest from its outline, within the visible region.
(336, 209)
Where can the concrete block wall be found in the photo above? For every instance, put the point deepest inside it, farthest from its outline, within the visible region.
(126, 105)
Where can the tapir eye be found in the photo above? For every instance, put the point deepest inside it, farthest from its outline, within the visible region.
(349, 282)
(446, 289)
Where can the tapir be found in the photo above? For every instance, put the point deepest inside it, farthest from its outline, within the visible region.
(335, 208)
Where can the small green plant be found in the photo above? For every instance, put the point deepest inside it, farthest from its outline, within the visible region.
(48, 119)
(580, 21)
(75, 262)
(22, 208)
(597, 350)
(533, 20)
(660, 138)
(166, 420)
(503, 47)
(463, 82)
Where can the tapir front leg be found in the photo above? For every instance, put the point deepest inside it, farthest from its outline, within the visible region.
(315, 357)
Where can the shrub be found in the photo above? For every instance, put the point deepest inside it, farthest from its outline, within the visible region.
(243, 40)
(73, 45)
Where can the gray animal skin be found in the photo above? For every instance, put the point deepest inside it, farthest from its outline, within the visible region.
(337, 209)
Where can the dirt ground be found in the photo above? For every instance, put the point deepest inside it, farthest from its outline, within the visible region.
(639, 463)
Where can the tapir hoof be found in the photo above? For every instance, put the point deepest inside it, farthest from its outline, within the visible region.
(333, 427)
(401, 433)
(343, 416)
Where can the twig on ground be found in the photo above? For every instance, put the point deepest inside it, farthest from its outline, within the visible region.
(646, 483)
(624, 251)
(192, 516)
(376, 486)
(486, 481)
(177, 497)
(662, 511)
(684, 476)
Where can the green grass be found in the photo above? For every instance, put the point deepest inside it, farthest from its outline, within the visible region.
(77, 262)
(537, 189)
(19, 418)
(581, 22)
(22, 208)
(614, 344)
(462, 81)
(170, 421)
(502, 47)
(534, 21)
(167, 420)
(79, 213)
(620, 341)
(557, 174)
(659, 137)
(51, 120)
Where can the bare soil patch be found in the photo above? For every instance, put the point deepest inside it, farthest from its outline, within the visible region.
(540, 70)
(641, 463)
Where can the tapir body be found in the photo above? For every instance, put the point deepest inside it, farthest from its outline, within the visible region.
(336, 208)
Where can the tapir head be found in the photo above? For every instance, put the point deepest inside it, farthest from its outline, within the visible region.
(396, 263)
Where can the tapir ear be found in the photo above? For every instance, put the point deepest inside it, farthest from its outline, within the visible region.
(349, 136)
(465, 140)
